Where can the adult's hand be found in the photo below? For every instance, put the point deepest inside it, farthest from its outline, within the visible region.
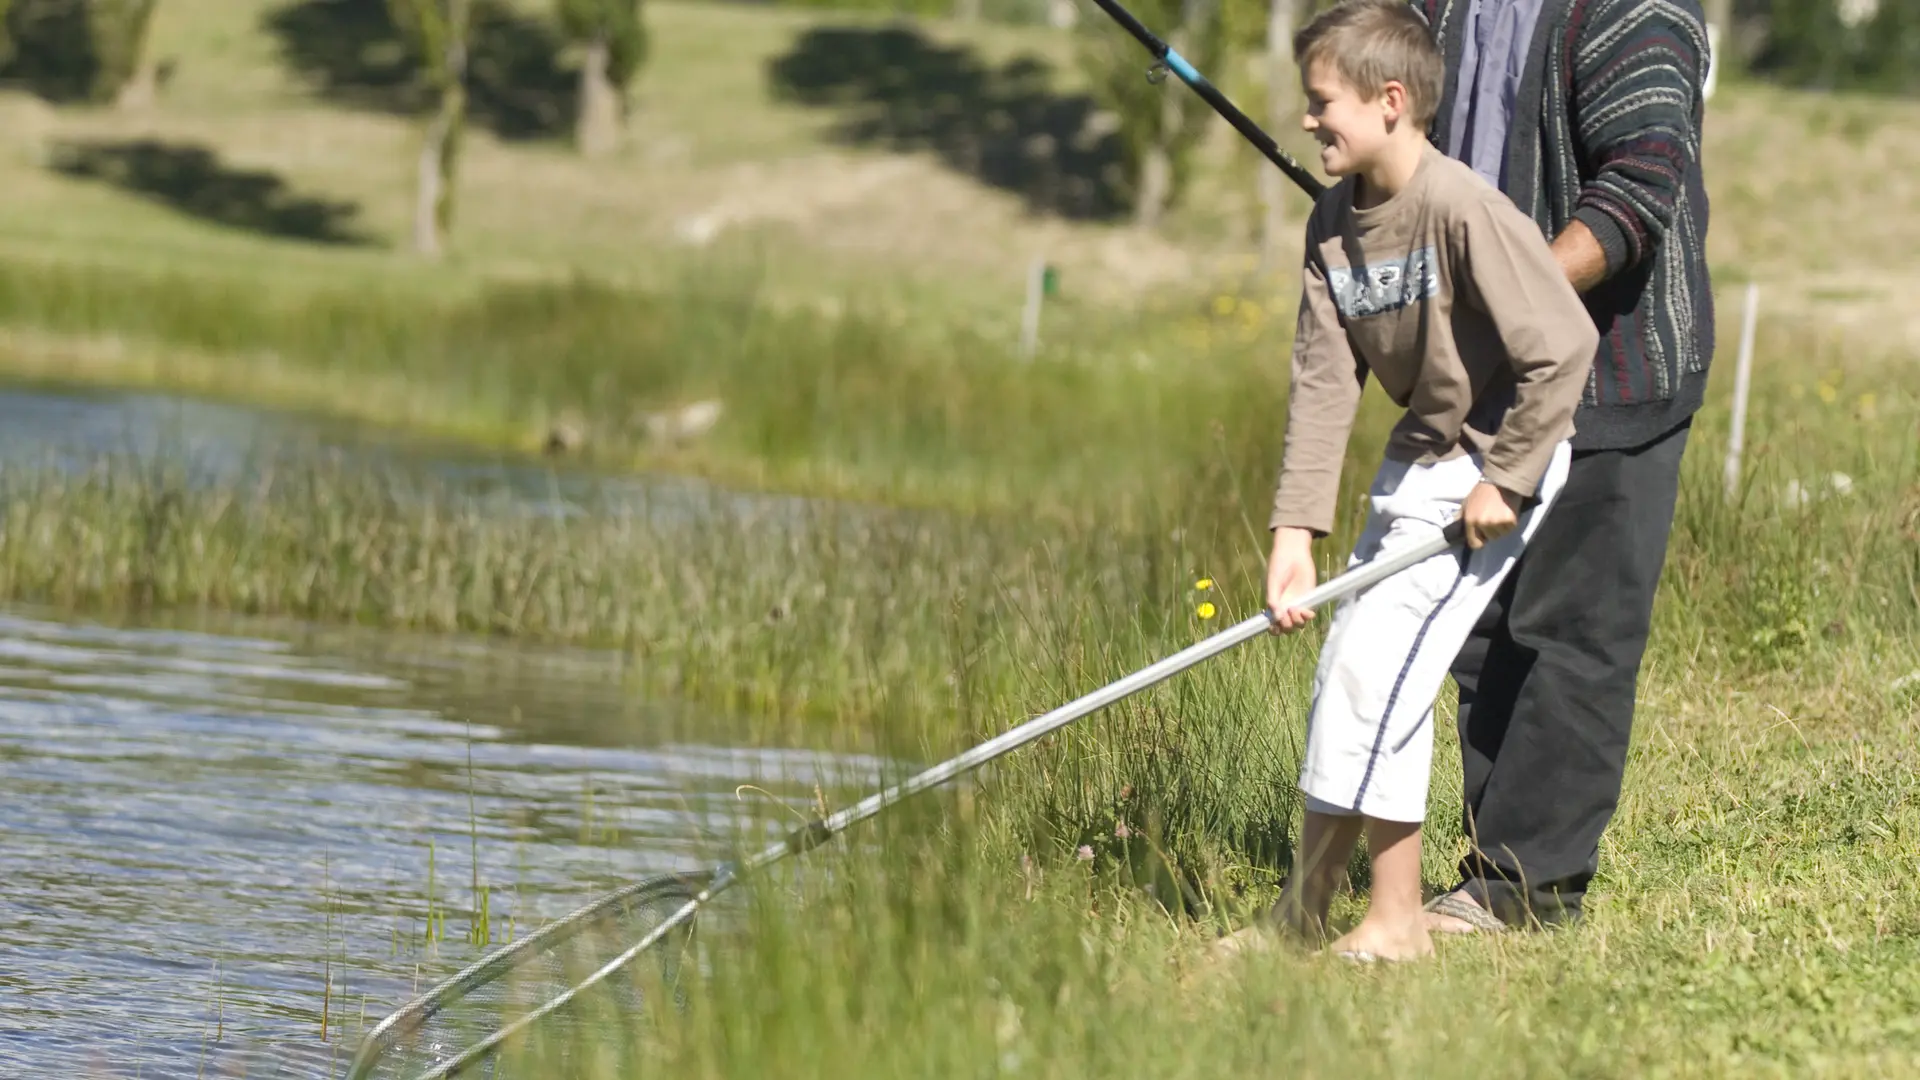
(1581, 257)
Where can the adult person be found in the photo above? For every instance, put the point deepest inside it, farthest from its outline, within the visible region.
(1587, 114)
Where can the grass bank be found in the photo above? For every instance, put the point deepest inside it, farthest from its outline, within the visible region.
(1755, 914)
(1754, 919)
(927, 626)
(841, 403)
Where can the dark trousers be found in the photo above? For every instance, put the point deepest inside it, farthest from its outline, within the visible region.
(1547, 683)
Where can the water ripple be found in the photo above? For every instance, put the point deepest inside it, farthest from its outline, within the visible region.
(212, 839)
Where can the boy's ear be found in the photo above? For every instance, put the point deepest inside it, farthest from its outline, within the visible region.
(1394, 100)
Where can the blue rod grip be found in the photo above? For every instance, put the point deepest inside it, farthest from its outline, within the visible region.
(1183, 69)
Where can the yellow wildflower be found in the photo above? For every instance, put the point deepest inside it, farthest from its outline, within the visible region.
(1206, 610)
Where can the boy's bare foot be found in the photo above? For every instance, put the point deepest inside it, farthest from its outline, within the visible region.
(1381, 940)
(1285, 921)
(1300, 915)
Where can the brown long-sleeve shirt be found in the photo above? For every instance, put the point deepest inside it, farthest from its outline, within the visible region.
(1450, 297)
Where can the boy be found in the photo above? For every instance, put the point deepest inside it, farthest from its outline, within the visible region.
(1422, 274)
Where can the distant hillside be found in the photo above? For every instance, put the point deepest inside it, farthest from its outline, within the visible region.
(915, 165)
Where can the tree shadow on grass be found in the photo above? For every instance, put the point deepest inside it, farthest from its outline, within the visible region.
(1003, 126)
(517, 87)
(192, 180)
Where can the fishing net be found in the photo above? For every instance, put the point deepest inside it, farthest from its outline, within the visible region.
(431, 1035)
(532, 1000)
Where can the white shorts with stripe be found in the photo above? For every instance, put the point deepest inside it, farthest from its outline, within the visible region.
(1370, 731)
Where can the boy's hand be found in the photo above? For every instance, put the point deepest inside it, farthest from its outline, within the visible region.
(1290, 573)
(1489, 513)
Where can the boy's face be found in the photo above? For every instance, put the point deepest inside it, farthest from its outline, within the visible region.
(1352, 130)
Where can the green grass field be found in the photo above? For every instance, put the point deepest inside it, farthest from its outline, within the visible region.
(1755, 914)
(798, 210)
(1001, 536)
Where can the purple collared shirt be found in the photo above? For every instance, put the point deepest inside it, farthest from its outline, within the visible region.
(1493, 56)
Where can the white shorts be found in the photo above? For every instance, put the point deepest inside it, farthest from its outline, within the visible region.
(1370, 730)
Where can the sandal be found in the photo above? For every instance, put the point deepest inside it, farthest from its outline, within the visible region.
(1249, 939)
(1453, 905)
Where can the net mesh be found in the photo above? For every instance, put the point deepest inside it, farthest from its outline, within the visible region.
(506, 985)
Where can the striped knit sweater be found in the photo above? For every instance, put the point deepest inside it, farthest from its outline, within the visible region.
(1606, 131)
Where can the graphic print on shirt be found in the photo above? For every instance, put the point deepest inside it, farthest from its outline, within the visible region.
(1381, 287)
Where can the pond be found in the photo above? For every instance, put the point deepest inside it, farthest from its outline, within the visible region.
(221, 839)
(76, 428)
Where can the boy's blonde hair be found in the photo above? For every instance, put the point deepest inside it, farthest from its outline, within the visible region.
(1373, 42)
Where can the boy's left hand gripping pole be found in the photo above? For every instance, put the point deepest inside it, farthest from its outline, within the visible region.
(1179, 66)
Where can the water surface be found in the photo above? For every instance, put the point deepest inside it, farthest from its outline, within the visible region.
(77, 428)
(221, 842)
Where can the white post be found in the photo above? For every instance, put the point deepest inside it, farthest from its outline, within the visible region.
(1713, 62)
(1742, 376)
(1030, 318)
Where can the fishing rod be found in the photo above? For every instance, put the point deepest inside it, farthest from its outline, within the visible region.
(675, 898)
(1167, 59)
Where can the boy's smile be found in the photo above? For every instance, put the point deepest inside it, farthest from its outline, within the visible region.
(1374, 138)
(1350, 129)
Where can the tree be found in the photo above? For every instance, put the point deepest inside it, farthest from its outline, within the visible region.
(613, 43)
(1160, 124)
(1850, 44)
(437, 30)
(6, 39)
(1893, 47)
(1720, 15)
(1281, 113)
(80, 50)
(125, 73)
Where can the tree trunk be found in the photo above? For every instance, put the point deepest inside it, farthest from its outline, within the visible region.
(118, 34)
(1156, 181)
(142, 88)
(456, 118)
(598, 126)
(440, 149)
(1719, 41)
(1156, 168)
(1281, 78)
(142, 74)
(426, 205)
(439, 155)
(454, 105)
(6, 41)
